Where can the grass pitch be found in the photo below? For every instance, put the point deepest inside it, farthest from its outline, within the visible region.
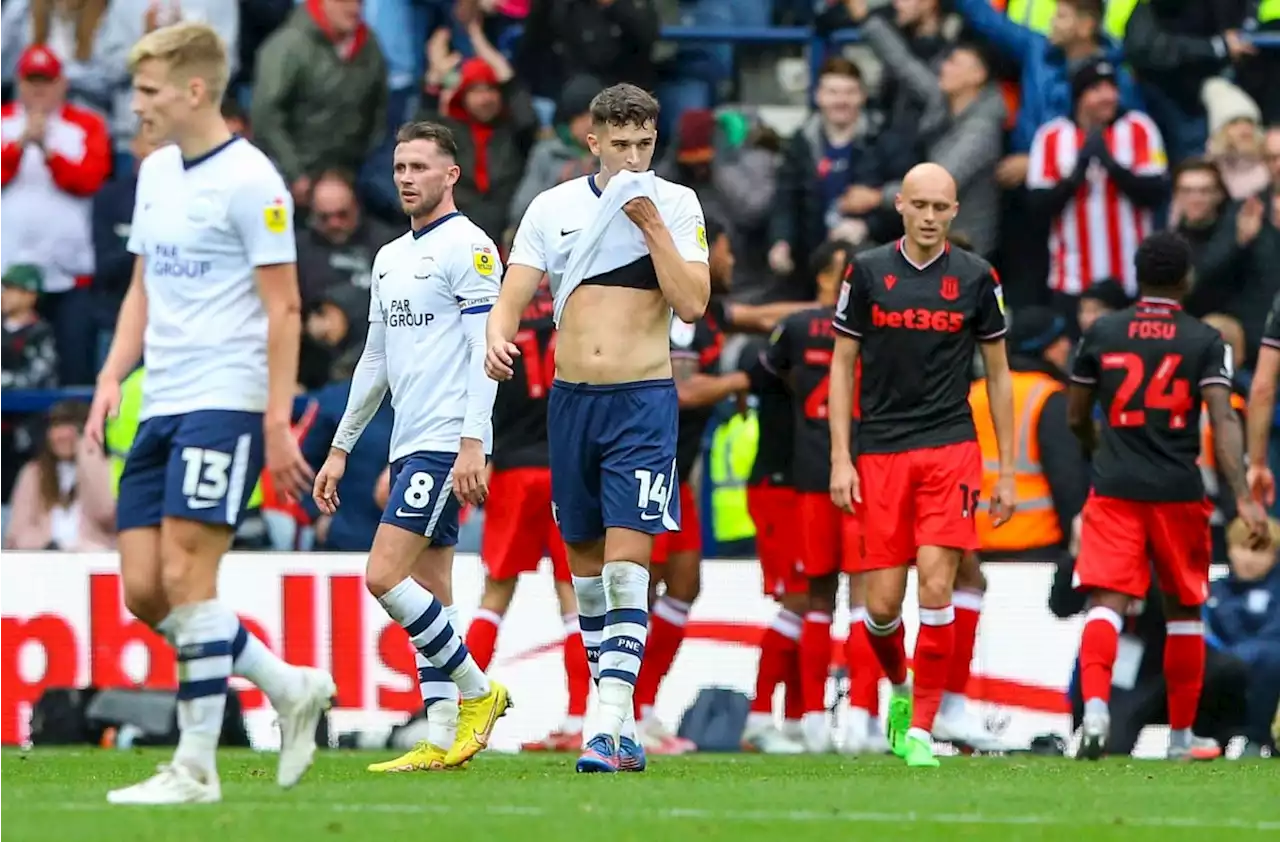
(60, 794)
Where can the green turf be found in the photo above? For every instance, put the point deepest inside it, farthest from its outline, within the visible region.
(59, 795)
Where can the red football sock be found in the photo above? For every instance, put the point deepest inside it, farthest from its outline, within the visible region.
(815, 660)
(666, 633)
(577, 671)
(793, 703)
(1183, 670)
(777, 653)
(1098, 644)
(864, 667)
(934, 645)
(482, 636)
(889, 644)
(968, 605)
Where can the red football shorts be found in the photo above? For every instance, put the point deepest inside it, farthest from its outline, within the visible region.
(773, 511)
(518, 525)
(830, 539)
(918, 498)
(689, 538)
(1121, 540)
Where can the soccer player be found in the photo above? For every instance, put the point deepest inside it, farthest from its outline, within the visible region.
(1262, 405)
(432, 291)
(613, 409)
(913, 311)
(800, 352)
(1151, 366)
(213, 307)
(518, 527)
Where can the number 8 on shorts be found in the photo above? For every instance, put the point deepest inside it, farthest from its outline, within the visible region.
(421, 499)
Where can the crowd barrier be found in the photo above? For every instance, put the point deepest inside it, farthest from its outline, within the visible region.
(64, 625)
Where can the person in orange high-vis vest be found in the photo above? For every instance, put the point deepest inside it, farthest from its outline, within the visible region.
(1052, 482)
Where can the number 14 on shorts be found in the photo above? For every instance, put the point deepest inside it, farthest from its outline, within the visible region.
(654, 490)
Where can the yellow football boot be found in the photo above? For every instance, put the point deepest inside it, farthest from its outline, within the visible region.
(424, 757)
(476, 718)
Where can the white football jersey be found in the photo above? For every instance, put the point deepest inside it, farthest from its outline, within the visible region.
(201, 227)
(423, 284)
(558, 216)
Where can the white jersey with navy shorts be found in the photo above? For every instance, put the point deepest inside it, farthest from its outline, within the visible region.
(202, 227)
(430, 299)
(612, 446)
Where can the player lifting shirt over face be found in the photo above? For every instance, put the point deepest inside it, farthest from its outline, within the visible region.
(915, 311)
(623, 249)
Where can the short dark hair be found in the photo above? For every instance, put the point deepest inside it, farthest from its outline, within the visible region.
(1092, 8)
(1163, 260)
(440, 135)
(1203, 165)
(840, 66)
(976, 50)
(824, 256)
(624, 104)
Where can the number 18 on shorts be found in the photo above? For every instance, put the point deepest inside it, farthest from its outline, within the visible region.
(421, 499)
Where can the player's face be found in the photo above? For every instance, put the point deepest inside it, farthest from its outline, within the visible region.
(839, 99)
(720, 261)
(623, 148)
(927, 212)
(424, 175)
(164, 101)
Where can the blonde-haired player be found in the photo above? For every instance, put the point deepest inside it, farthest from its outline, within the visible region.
(213, 309)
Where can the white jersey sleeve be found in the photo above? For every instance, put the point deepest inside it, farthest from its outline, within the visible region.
(475, 278)
(262, 212)
(688, 227)
(529, 247)
(375, 285)
(137, 243)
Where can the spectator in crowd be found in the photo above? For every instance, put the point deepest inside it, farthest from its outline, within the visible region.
(126, 21)
(351, 528)
(30, 354)
(258, 19)
(611, 40)
(492, 120)
(113, 262)
(55, 157)
(70, 29)
(1219, 232)
(1235, 138)
(1075, 36)
(961, 128)
(320, 93)
(1271, 155)
(1106, 296)
(824, 161)
(562, 156)
(1243, 618)
(62, 500)
(1174, 46)
(237, 118)
(1096, 177)
(336, 326)
(337, 247)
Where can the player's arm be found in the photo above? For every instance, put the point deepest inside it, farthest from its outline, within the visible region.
(476, 280)
(989, 329)
(368, 388)
(695, 389)
(763, 318)
(1083, 393)
(1228, 437)
(1262, 403)
(850, 322)
(526, 265)
(278, 288)
(679, 254)
(519, 286)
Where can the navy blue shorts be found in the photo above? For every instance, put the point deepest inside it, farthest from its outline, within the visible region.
(201, 466)
(422, 498)
(613, 457)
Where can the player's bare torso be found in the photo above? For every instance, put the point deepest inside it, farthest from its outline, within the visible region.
(614, 335)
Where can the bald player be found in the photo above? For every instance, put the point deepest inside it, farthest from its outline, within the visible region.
(914, 311)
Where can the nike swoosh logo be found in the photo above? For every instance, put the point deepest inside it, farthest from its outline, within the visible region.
(193, 503)
(647, 516)
(564, 233)
(403, 513)
(381, 275)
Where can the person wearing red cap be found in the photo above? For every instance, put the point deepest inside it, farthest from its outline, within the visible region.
(55, 156)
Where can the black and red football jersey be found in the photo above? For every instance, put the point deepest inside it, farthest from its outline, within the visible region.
(1148, 365)
(520, 409)
(702, 342)
(918, 327)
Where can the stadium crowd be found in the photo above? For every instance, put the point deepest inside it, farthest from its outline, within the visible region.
(1073, 129)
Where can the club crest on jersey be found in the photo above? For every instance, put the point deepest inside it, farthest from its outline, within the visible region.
(484, 259)
(701, 234)
(889, 281)
(950, 287)
(276, 217)
(682, 333)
